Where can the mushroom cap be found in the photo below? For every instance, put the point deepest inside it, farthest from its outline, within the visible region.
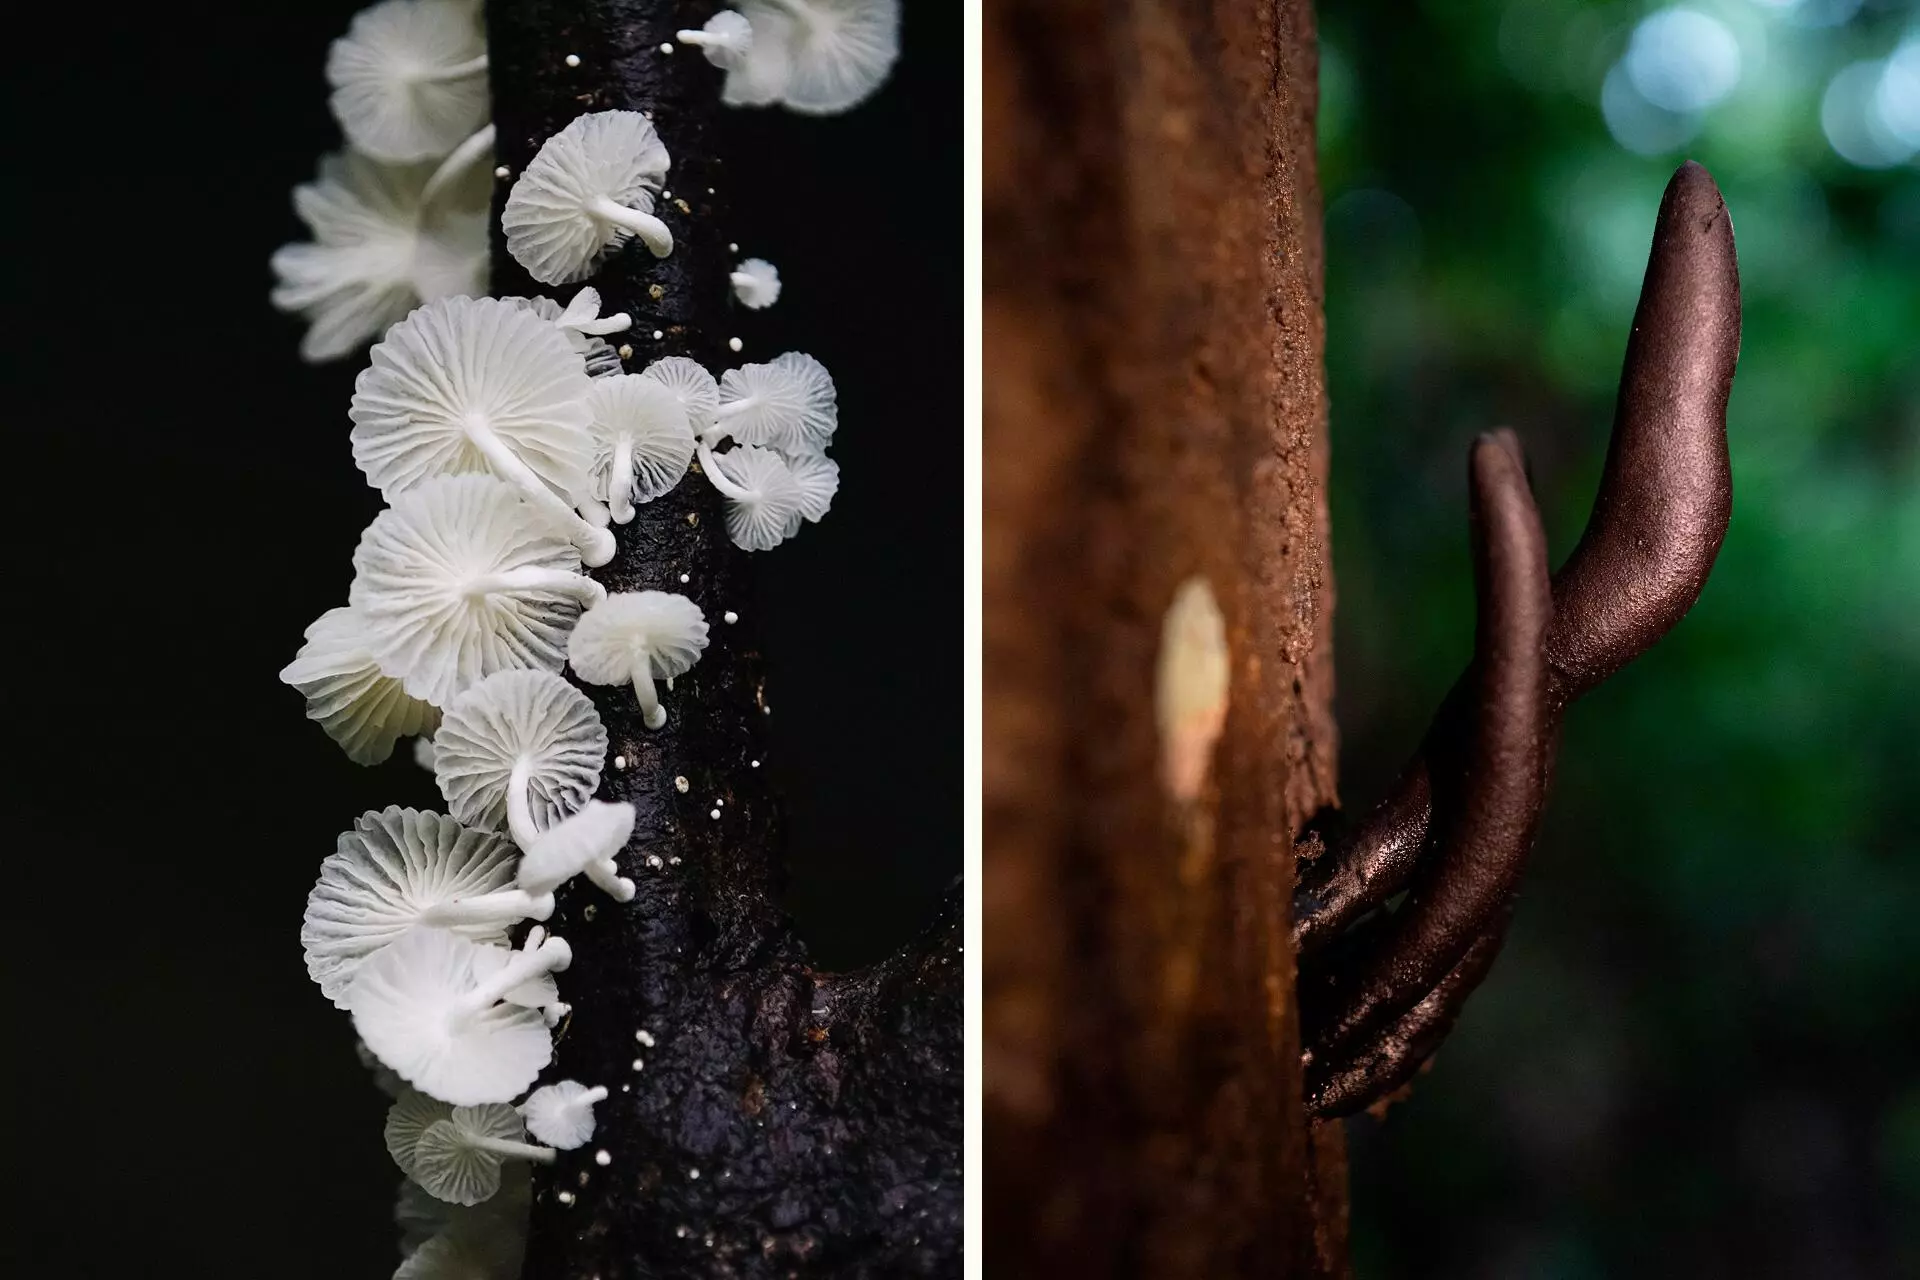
(363, 709)
(819, 479)
(787, 403)
(691, 384)
(733, 39)
(405, 1001)
(656, 633)
(838, 53)
(560, 1115)
(759, 76)
(550, 231)
(376, 253)
(461, 360)
(382, 875)
(772, 513)
(412, 571)
(389, 95)
(448, 1161)
(761, 288)
(407, 1119)
(511, 716)
(647, 413)
(599, 355)
(564, 850)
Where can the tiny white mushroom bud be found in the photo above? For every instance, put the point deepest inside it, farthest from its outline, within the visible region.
(638, 637)
(734, 344)
(756, 282)
(562, 1114)
(591, 186)
(573, 59)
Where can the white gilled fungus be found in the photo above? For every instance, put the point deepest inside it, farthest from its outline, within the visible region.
(523, 747)
(460, 579)
(455, 1153)
(756, 282)
(360, 707)
(638, 637)
(788, 403)
(477, 384)
(562, 1114)
(818, 478)
(424, 1010)
(410, 78)
(642, 442)
(591, 186)
(399, 868)
(379, 250)
(765, 503)
(692, 385)
(580, 321)
(584, 843)
(725, 39)
(818, 57)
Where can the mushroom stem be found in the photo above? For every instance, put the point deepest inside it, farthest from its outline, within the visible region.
(618, 322)
(653, 715)
(620, 481)
(709, 465)
(596, 545)
(458, 71)
(534, 578)
(515, 1150)
(500, 906)
(548, 955)
(652, 232)
(741, 280)
(457, 162)
(519, 806)
(605, 874)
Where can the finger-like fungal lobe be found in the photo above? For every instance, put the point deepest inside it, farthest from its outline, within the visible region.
(817, 57)
(401, 868)
(361, 707)
(638, 637)
(756, 283)
(382, 244)
(460, 579)
(410, 78)
(788, 403)
(480, 385)
(586, 843)
(561, 1114)
(725, 39)
(642, 442)
(765, 505)
(1666, 494)
(520, 750)
(422, 1004)
(591, 187)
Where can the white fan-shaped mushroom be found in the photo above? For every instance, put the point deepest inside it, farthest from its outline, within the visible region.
(725, 39)
(378, 251)
(760, 71)
(818, 478)
(523, 746)
(422, 1007)
(788, 403)
(360, 707)
(692, 385)
(458, 1159)
(837, 52)
(460, 579)
(399, 868)
(409, 78)
(479, 385)
(407, 1119)
(765, 503)
(756, 282)
(586, 842)
(642, 442)
(561, 1115)
(590, 187)
(638, 637)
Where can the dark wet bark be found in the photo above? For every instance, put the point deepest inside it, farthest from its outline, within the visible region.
(782, 1121)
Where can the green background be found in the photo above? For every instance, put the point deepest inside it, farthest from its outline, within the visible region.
(1697, 1054)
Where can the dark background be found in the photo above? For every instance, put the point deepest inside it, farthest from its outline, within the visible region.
(187, 502)
(1699, 1053)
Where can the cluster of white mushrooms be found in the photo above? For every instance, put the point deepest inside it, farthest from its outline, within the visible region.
(507, 438)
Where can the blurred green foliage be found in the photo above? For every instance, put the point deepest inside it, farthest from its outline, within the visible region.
(1700, 1051)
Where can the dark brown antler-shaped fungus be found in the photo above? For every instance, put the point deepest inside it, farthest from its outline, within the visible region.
(1449, 828)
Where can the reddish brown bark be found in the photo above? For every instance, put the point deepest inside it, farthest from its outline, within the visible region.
(1155, 411)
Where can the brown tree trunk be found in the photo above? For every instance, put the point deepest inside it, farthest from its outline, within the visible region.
(1155, 415)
